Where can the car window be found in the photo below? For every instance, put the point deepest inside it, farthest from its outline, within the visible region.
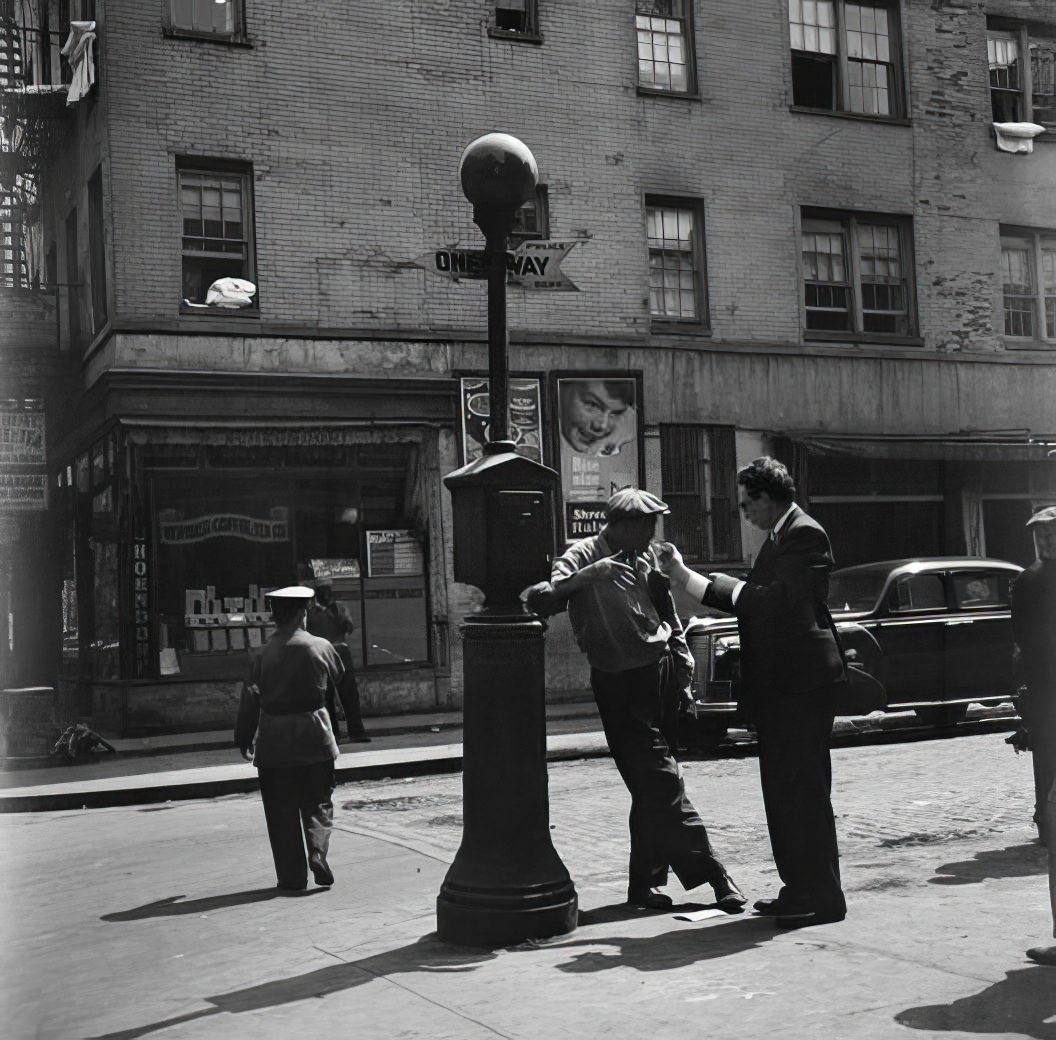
(980, 591)
(918, 592)
(855, 591)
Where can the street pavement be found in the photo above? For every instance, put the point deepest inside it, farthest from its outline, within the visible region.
(160, 920)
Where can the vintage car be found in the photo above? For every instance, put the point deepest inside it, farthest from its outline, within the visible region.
(936, 632)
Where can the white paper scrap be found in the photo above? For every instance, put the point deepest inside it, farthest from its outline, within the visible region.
(701, 915)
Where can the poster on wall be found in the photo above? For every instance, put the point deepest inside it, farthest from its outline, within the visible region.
(598, 435)
(393, 554)
(526, 417)
(23, 481)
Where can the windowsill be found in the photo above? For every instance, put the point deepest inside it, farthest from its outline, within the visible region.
(220, 313)
(1022, 343)
(821, 336)
(677, 95)
(232, 40)
(512, 36)
(658, 327)
(857, 117)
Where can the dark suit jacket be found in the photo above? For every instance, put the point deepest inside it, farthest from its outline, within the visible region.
(787, 645)
(1034, 626)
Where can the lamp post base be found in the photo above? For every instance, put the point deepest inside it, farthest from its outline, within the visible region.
(507, 882)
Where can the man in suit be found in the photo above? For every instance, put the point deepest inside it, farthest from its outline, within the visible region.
(790, 668)
(1034, 625)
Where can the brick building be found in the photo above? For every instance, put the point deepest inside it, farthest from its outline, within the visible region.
(817, 228)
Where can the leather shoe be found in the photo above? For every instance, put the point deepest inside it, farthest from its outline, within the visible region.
(648, 899)
(1043, 954)
(728, 896)
(321, 871)
(806, 918)
(767, 907)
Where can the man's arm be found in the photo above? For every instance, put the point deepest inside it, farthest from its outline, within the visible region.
(572, 573)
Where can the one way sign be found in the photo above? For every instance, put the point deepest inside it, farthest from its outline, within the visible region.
(535, 264)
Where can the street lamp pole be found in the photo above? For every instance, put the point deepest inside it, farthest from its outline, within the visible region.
(507, 882)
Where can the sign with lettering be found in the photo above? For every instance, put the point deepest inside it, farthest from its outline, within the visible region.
(23, 476)
(223, 525)
(332, 568)
(393, 553)
(534, 264)
(141, 607)
(525, 415)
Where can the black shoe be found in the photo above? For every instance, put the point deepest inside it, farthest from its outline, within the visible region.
(648, 899)
(728, 896)
(291, 886)
(767, 907)
(321, 871)
(806, 918)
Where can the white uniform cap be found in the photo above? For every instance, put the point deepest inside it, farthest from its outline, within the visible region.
(292, 593)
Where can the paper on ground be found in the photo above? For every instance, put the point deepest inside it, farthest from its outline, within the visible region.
(700, 915)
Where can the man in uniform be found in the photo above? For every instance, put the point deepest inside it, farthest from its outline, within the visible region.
(283, 725)
(790, 663)
(1034, 626)
(632, 652)
(328, 619)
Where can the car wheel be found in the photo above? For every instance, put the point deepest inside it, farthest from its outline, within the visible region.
(707, 735)
(942, 715)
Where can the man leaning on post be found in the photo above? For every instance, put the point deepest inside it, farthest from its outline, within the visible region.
(632, 651)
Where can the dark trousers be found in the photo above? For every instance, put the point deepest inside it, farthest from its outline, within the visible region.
(348, 693)
(299, 812)
(794, 732)
(665, 828)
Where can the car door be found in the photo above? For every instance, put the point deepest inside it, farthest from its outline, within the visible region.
(910, 629)
(979, 635)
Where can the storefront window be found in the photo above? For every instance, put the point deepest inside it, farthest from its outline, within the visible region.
(252, 519)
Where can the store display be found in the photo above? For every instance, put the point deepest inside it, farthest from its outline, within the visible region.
(225, 624)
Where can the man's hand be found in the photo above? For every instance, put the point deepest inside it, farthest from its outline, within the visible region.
(247, 753)
(670, 561)
(611, 569)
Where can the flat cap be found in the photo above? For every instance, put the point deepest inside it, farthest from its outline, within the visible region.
(632, 501)
(1043, 516)
(292, 593)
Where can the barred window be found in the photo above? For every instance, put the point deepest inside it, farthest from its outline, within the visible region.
(1028, 264)
(845, 56)
(698, 470)
(676, 260)
(855, 273)
(665, 46)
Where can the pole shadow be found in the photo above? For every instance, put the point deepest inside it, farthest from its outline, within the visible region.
(1023, 1003)
(616, 912)
(426, 954)
(172, 907)
(1023, 860)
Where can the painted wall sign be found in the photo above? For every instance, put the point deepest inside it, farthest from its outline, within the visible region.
(534, 264)
(224, 525)
(526, 417)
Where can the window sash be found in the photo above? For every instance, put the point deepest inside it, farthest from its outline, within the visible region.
(1028, 285)
(674, 271)
(665, 50)
(205, 16)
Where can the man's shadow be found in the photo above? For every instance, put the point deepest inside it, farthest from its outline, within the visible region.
(1023, 1003)
(427, 954)
(1014, 861)
(172, 907)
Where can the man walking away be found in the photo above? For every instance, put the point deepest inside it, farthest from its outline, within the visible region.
(632, 652)
(790, 664)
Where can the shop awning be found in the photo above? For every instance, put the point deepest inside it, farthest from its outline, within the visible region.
(1021, 447)
(271, 434)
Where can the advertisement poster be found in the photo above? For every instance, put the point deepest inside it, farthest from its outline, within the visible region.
(526, 417)
(393, 554)
(598, 438)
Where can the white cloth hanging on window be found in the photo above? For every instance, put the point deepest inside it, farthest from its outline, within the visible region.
(78, 50)
(1017, 137)
(230, 292)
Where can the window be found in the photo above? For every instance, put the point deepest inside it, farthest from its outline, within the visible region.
(1021, 91)
(665, 46)
(516, 19)
(532, 218)
(856, 273)
(981, 591)
(845, 56)
(676, 260)
(215, 211)
(698, 469)
(1028, 260)
(73, 280)
(211, 17)
(97, 249)
(918, 592)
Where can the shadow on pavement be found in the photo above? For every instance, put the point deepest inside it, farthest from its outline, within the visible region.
(427, 954)
(171, 907)
(1023, 1004)
(1013, 861)
(675, 949)
(615, 912)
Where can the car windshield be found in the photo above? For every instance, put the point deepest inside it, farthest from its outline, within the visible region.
(855, 591)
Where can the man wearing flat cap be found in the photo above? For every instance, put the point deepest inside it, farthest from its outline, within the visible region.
(623, 618)
(1034, 626)
(283, 723)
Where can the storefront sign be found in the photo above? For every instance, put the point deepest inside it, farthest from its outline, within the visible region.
(23, 480)
(392, 553)
(535, 264)
(334, 569)
(224, 525)
(526, 418)
(141, 607)
(598, 438)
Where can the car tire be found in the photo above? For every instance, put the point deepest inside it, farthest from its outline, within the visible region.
(942, 715)
(706, 735)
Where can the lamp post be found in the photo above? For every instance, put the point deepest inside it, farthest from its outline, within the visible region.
(507, 882)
